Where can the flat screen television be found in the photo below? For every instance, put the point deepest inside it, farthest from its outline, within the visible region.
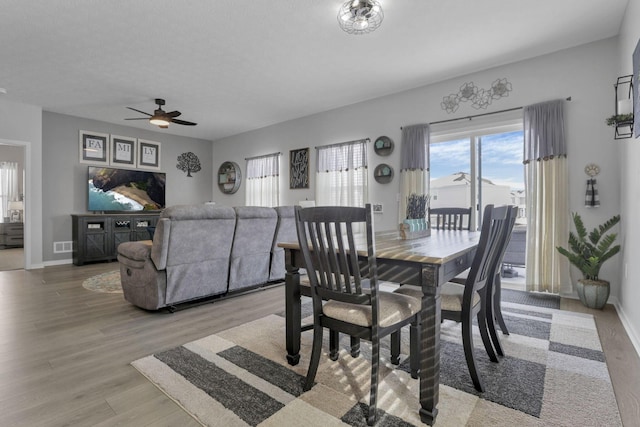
(123, 190)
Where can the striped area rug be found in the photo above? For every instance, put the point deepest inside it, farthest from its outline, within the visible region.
(554, 374)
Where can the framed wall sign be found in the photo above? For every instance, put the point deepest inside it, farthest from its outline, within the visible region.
(94, 147)
(123, 151)
(148, 154)
(299, 168)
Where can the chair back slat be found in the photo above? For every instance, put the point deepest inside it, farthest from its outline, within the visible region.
(494, 220)
(326, 237)
(450, 218)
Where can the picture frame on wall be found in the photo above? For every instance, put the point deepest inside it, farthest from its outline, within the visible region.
(94, 147)
(635, 81)
(123, 151)
(299, 168)
(148, 154)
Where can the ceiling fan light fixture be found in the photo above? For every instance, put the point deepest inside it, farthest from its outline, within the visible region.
(159, 121)
(360, 16)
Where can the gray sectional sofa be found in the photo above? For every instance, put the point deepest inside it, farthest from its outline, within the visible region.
(201, 251)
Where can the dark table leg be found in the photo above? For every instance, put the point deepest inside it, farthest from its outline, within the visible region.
(429, 347)
(292, 310)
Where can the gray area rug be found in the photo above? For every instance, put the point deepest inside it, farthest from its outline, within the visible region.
(554, 374)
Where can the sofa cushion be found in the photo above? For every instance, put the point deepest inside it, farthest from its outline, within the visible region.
(252, 243)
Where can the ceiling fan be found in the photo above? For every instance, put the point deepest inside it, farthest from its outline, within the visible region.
(161, 118)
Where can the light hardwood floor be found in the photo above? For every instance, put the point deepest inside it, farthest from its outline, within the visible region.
(65, 351)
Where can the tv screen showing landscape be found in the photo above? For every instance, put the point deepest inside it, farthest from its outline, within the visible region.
(122, 190)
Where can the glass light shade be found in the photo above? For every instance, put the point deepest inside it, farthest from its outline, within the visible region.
(360, 16)
(159, 121)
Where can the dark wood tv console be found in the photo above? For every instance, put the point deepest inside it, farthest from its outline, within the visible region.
(96, 237)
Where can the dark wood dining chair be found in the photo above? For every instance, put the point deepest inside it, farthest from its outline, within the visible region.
(450, 218)
(494, 288)
(353, 303)
(463, 302)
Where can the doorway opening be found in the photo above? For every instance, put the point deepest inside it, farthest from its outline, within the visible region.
(12, 206)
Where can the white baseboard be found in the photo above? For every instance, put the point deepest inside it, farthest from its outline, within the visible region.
(58, 262)
(633, 334)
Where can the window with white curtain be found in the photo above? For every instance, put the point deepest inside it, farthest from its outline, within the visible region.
(263, 181)
(8, 186)
(341, 174)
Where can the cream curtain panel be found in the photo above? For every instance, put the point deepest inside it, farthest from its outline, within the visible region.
(263, 181)
(341, 174)
(546, 185)
(8, 186)
(414, 164)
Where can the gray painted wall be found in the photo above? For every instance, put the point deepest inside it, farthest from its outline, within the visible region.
(586, 73)
(65, 178)
(21, 124)
(630, 202)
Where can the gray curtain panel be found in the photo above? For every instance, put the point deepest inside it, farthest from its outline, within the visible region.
(544, 131)
(415, 147)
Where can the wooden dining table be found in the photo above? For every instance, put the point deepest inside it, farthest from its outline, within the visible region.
(428, 262)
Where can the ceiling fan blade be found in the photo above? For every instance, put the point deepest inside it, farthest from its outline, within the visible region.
(173, 113)
(183, 122)
(139, 111)
(139, 118)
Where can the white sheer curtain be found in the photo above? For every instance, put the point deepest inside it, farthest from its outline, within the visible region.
(8, 186)
(263, 181)
(414, 164)
(341, 174)
(546, 184)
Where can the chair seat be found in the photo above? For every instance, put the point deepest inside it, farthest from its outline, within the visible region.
(393, 307)
(450, 295)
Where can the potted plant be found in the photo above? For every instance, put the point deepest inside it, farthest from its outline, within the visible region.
(588, 253)
(619, 118)
(416, 224)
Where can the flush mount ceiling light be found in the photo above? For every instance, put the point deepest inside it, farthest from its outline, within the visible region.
(360, 16)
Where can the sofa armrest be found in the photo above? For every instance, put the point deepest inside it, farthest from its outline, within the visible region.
(135, 254)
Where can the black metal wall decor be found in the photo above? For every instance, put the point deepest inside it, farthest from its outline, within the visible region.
(299, 168)
(479, 98)
(622, 120)
(188, 162)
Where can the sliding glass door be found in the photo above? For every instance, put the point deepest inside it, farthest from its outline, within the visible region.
(478, 169)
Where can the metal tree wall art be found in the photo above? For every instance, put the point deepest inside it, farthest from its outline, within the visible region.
(188, 162)
(479, 98)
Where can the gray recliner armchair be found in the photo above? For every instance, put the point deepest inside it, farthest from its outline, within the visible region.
(188, 259)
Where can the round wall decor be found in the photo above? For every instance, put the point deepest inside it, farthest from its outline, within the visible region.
(383, 146)
(229, 177)
(383, 173)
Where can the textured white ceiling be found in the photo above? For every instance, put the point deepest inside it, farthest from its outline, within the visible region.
(233, 66)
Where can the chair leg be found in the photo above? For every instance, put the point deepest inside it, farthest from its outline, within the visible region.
(355, 347)
(316, 349)
(395, 347)
(373, 394)
(497, 301)
(491, 325)
(467, 342)
(414, 349)
(334, 344)
(484, 331)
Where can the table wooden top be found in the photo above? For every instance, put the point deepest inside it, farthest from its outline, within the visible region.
(438, 248)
